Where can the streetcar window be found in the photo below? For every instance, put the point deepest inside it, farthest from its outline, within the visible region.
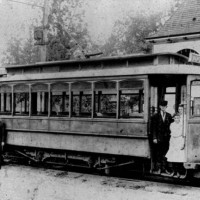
(39, 99)
(60, 99)
(171, 90)
(131, 99)
(105, 99)
(5, 99)
(170, 97)
(21, 99)
(81, 99)
(195, 98)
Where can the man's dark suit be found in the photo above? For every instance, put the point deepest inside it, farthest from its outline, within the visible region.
(161, 131)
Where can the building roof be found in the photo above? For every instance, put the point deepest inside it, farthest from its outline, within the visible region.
(185, 21)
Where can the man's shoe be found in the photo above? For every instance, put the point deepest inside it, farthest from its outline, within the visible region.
(172, 174)
(158, 172)
(166, 173)
(177, 175)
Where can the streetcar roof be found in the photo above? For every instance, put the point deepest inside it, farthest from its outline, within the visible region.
(120, 72)
(123, 66)
(104, 59)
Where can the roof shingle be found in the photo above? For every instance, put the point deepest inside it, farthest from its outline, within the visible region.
(186, 20)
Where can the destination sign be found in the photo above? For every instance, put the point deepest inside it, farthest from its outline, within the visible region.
(194, 58)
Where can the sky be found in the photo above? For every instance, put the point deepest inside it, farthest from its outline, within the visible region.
(100, 16)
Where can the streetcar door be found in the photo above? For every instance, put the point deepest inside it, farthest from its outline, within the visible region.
(171, 88)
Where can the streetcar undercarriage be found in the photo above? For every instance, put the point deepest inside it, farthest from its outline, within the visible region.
(100, 162)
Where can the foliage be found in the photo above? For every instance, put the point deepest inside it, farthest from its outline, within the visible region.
(129, 33)
(20, 97)
(107, 105)
(68, 37)
(86, 104)
(21, 52)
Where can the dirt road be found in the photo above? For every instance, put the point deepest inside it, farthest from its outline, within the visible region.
(27, 183)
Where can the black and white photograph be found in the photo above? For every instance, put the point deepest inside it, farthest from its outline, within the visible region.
(99, 99)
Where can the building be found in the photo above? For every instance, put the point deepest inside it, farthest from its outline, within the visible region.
(181, 33)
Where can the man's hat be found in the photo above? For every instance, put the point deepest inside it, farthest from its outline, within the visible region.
(163, 103)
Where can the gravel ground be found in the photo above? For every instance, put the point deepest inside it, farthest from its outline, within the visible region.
(27, 183)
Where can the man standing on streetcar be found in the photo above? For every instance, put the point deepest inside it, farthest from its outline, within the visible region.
(160, 127)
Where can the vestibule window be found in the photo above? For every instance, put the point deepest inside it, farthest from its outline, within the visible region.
(60, 99)
(21, 99)
(5, 99)
(195, 98)
(105, 99)
(131, 98)
(81, 99)
(39, 99)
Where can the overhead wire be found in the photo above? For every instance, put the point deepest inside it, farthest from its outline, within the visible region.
(26, 3)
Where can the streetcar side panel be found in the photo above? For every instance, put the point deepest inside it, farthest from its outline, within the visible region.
(83, 143)
(120, 138)
(193, 111)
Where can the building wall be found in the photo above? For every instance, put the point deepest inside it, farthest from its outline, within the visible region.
(177, 46)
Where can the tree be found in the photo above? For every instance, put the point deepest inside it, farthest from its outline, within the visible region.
(17, 33)
(68, 37)
(21, 51)
(129, 33)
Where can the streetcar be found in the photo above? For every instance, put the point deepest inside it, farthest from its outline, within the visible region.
(97, 112)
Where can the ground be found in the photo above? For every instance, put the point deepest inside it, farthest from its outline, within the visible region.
(28, 183)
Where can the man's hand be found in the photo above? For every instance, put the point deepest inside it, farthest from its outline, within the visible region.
(155, 141)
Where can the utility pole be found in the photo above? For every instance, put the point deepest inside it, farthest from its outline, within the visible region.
(40, 33)
(43, 46)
